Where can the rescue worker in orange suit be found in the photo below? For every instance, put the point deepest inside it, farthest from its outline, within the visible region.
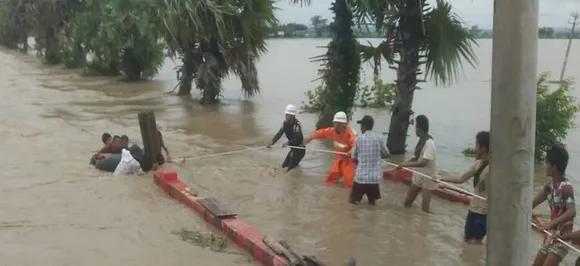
(344, 138)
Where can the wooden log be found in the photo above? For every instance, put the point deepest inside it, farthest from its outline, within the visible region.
(145, 136)
(285, 245)
(154, 135)
(280, 250)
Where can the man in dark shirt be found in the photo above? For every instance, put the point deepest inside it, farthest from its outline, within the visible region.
(291, 128)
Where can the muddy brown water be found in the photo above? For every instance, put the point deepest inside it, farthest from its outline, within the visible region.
(56, 210)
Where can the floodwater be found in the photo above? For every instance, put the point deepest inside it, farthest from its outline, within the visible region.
(56, 210)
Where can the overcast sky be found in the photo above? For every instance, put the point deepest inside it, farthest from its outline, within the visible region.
(553, 13)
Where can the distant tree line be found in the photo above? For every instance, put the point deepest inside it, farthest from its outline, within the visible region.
(318, 28)
(544, 33)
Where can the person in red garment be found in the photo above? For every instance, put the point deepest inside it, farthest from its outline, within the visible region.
(344, 138)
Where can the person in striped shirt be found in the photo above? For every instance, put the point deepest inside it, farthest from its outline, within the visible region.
(368, 151)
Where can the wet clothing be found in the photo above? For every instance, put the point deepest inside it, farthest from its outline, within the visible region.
(357, 192)
(560, 193)
(343, 166)
(475, 226)
(293, 132)
(476, 221)
(368, 153)
(128, 164)
(425, 149)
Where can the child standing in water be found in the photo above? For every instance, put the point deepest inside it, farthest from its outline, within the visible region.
(476, 221)
(559, 193)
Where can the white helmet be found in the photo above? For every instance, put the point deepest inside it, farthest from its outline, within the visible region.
(340, 117)
(290, 109)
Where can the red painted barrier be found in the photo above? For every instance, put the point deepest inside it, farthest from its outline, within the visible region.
(245, 236)
(404, 176)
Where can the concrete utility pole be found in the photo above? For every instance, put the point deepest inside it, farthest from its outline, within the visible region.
(574, 23)
(513, 123)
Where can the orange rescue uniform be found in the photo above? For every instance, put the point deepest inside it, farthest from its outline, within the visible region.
(343, 165)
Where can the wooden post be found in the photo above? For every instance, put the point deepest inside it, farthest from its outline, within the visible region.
(151, 144)
(513, 123)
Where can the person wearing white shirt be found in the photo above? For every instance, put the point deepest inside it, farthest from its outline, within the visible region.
(129, 165)
(424, 162)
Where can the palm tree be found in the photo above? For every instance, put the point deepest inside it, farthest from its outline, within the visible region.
(214, 39)
(341, 66)
(416, 35)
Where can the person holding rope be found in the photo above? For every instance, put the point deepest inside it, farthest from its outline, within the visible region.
(291, 128)
(368, 153)
(425, 161)
(559, 193)
(476, 221)
(344, 138)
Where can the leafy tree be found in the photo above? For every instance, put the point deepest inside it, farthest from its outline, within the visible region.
(15, 24)
(475, 30)
(555, 113)
(417, 35)
(214, 39)
(319, 24)
(546, 32)
(121, 36)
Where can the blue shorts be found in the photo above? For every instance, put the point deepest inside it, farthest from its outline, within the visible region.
(475, 226)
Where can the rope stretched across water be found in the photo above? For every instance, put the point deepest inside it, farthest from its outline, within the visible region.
(453, 187)
(183, 159)
(390, 163)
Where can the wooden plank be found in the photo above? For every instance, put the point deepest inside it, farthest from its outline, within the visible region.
(215, 208)
(145, 136)
(285, 245)
(280, 250)
(313, 261)
(153, 135)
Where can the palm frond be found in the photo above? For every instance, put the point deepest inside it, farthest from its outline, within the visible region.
(448, 44)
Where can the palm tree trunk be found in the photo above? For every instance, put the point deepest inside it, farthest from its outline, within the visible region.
(187, 70)
(411, 29)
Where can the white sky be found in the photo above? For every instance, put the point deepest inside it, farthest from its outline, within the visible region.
(553, 13)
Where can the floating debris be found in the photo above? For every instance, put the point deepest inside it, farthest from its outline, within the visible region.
(203, 239)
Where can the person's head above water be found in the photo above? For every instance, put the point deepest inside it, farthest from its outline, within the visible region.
(366, 123)
(482, 144)
(340, 121)
(421, 125)
(125, 140)
(556, 161)
(290, 112)
(106, 138)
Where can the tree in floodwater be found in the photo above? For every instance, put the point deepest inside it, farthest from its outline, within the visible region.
(214, 39)
(15, 24)
(416, 35)
(341, 66)
(121, 37)
(49, 19)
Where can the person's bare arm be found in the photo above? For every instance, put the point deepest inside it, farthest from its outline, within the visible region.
(460, 179)
(539, 198)
(574, 236)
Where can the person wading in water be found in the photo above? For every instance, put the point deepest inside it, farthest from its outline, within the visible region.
(425, 162)
(343, 138)
(291, 128)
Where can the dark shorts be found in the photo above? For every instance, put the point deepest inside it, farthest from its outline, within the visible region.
(475, 226)
(359, 190)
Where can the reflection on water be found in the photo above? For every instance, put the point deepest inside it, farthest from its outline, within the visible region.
(55, 206)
